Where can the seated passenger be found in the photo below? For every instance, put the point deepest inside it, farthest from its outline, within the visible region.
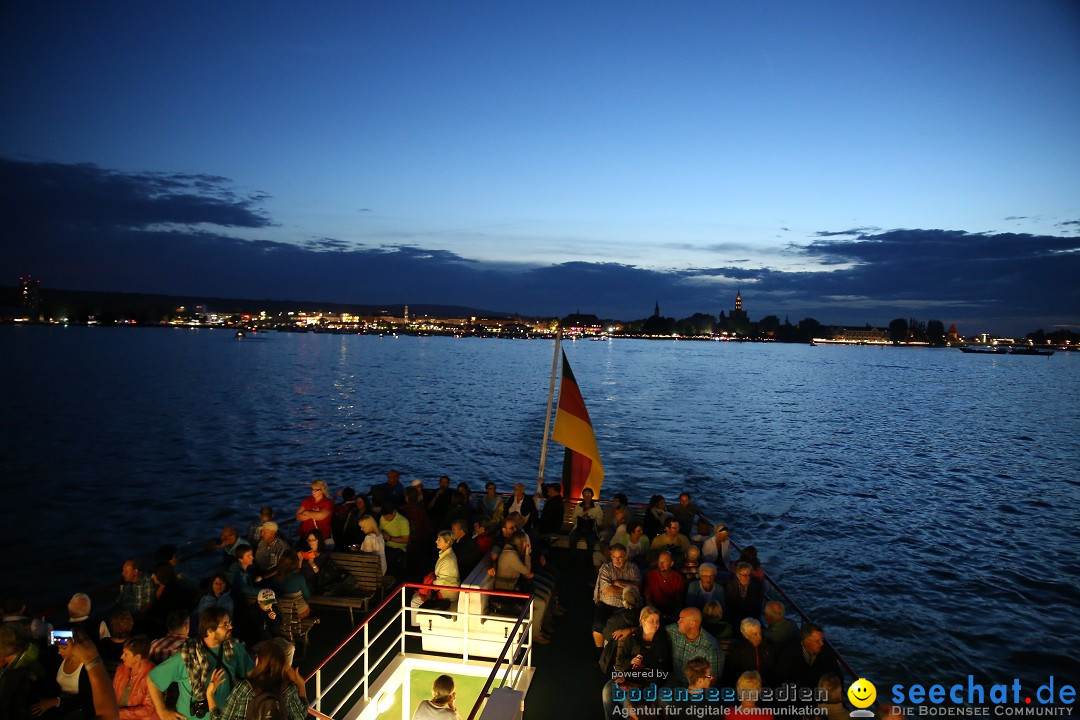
(689, 641)
(780, 631)
(373, 541)
(717, 550)
(616, 516)
(686, 513)
(218, 596)
(524, 504)
(671, 540)
(118, 628)
(743, 595)
(395, 531)
(466, 549)
(712, 621)
(492, 506)
(643, 657)
(170, 595)
(699, 676)
(129, 682)
(288, 579)
(804, 663)
(438, 504)
(514, 572)
(270, 550)
(656, 515)
(137, 591)
(79, 610)
(322, 574)
(446, 573)
(705, 588)
(832, 691)
(665, 587)
(230, 542)
(260, 622)
(636, 542)
(351, 533)
(749, 555)
(254, 531)
(586, 518)
(75, 698)
(623, 620)
(23, 677)
(748, 691)
(690, 564)
(615, 576)
(751, 652)
(14, 609)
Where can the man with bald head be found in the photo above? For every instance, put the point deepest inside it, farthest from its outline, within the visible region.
(689, 641)
(780, 631)
(717, 550)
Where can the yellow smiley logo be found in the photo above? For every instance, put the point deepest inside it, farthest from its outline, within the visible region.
(862, 693)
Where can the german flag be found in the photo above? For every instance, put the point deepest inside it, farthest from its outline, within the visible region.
(574, 431)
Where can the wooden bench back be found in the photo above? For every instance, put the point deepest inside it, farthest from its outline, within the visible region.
(365, 567)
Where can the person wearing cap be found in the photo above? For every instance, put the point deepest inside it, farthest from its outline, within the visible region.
(717, 549)
(260, 621)
(271, 548)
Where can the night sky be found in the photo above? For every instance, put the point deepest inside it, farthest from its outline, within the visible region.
(849, 161)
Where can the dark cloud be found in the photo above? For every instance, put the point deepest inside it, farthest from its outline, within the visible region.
(328, 244)
(853, 232)
(1017, 217)
(85, 197)
(1068, 222)
(82, 227)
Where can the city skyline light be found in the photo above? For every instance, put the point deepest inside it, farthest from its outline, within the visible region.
(846, 161)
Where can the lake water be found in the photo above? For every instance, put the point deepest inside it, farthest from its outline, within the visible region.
(921, 504)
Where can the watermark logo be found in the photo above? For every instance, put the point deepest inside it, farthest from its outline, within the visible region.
(862, 694)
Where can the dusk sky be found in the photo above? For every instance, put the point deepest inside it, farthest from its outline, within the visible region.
(851, 161)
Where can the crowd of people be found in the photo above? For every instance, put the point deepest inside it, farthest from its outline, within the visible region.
(671, 606)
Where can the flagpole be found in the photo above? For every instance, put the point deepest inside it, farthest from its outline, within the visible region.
(547, 420)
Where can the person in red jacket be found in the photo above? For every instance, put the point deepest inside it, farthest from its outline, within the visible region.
(129, 682)
(665, 587)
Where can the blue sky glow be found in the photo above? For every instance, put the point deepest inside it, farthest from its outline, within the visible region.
(669, 137)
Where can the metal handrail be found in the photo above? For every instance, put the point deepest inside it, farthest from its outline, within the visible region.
(397, 595)
(775, 585)
(484, 691)
(802, 614)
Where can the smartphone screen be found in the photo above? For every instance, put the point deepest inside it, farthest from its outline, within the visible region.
(60, 637)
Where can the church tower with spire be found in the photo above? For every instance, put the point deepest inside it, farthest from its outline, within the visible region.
(738, 322)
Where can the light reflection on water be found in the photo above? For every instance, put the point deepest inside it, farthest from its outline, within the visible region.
(920, 504)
